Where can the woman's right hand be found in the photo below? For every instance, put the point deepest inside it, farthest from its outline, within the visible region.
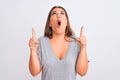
(33, 42)
(34, 63)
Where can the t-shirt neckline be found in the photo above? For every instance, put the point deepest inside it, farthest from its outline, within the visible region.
(53, 54)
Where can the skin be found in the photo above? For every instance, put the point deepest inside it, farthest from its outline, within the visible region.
(58, 44)
(82, 62)
(58, 15)
(34, 63)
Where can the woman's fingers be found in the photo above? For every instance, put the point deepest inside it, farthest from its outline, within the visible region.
(33, 34)
(81, 31)
(82, 41)
(82, 38)
(33, 43)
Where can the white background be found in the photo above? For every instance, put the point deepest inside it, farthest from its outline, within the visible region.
(101, 20)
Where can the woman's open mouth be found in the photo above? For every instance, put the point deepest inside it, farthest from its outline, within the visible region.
(58, 23)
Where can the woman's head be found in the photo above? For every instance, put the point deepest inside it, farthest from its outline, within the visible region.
(58, 22)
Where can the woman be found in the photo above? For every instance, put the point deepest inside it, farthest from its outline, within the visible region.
(58, 55)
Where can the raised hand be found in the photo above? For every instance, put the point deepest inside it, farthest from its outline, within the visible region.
(33, 43)
(82, 39)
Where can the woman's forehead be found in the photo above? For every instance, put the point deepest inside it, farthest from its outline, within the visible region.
(58, 10)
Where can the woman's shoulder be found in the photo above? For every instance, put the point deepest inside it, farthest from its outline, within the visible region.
(43, 38)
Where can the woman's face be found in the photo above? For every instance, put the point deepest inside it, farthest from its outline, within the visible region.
(58, 21)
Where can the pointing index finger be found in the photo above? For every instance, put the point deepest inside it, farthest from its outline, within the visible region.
(81, 32)
(33, 34)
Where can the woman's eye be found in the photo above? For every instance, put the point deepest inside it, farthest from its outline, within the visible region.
(54, 13)
(62, 13)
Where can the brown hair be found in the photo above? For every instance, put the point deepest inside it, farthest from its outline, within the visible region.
(48, 30)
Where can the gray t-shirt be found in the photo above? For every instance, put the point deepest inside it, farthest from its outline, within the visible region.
(54, 68)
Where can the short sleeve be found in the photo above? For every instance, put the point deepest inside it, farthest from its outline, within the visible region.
(40, 53)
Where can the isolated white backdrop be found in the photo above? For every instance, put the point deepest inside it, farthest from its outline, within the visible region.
(101, 20)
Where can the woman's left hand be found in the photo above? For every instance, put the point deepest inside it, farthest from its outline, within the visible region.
(82, 39)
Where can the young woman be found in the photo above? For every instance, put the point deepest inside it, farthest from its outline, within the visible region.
(58, 54)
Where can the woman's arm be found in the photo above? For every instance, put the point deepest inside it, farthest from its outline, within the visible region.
(34, 63)
(82, 61)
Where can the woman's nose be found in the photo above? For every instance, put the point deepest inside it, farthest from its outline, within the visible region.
(58, 15)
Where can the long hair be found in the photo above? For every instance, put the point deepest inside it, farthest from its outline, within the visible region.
(48, 30)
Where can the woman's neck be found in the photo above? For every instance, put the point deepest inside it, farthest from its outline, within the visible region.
(58, 37)
(59, 40)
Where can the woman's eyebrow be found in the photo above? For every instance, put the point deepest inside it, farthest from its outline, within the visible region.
(58, 11)
(62, 11)
(54, 11)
